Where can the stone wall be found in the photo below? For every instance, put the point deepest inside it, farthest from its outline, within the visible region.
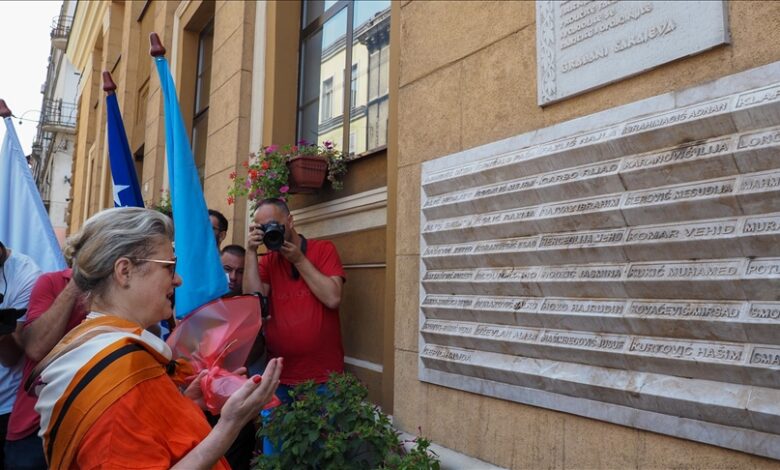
(467, 78)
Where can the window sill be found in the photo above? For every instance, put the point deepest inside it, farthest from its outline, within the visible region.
(368, 153)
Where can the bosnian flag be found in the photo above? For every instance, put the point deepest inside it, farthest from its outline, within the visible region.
(127, 191)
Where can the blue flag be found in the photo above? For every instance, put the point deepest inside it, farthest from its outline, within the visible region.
(127, 191)
(24, 223)
(199, 264)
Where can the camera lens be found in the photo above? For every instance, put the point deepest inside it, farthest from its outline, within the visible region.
(273, 237)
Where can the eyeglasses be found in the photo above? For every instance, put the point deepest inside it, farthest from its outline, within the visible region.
(171, 263)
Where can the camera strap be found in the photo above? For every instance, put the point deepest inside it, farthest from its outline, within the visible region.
(295, 274)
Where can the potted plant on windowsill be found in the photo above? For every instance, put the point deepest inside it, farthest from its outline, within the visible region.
(277, 172)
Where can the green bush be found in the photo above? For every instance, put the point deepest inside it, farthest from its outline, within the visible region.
(337, 429)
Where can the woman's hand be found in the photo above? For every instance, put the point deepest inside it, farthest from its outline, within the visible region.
(194, 391)
(245, 404)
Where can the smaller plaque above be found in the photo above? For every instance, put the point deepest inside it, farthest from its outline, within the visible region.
(581, 45)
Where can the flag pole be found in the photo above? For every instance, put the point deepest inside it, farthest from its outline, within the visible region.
(4, 111)
(108, 83)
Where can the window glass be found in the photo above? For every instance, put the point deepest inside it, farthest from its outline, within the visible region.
(329, 76)
(314, 9)
(370, 48)
(200, 122)
(321, 98)
(203, 78)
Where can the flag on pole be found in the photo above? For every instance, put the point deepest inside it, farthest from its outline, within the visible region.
(127, 191)
(24, 223)
(199, 264)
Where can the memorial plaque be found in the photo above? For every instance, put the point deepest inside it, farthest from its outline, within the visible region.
(581, 45)
(623, 266)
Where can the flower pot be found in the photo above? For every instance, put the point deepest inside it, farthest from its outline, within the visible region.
(307, 174)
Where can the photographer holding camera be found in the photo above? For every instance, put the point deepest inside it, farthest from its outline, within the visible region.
(303, 279)
(18, 274)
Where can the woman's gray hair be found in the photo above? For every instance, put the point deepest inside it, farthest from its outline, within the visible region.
(131, 232)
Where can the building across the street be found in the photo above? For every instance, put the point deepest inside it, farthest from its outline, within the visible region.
(560, 221)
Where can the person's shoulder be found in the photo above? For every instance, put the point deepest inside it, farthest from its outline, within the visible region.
(22, 264)
(321, 244)
(54, 278)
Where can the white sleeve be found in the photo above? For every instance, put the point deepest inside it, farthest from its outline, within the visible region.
(24, 276)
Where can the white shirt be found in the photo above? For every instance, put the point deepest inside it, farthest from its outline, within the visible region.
(21, 273)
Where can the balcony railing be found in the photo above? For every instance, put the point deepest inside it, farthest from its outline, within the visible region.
(60, 30)
(58, 116)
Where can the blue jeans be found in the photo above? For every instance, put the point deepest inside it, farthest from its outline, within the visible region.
(25, 454)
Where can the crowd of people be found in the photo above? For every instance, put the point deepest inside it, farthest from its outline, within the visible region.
(85, 380)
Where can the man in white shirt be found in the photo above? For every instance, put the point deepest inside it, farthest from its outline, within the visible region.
(18, 274)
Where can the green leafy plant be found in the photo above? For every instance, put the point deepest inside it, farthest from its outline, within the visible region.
(164, 203)
(267, 174)
(337, 429)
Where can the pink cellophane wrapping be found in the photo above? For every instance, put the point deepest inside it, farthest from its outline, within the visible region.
(218, 337)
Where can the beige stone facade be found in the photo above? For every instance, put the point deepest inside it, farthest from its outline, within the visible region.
(467, 77)
(462, 74)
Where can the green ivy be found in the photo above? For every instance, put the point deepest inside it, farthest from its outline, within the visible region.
(339, 430)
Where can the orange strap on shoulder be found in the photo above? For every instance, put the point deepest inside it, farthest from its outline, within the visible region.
(103, 380)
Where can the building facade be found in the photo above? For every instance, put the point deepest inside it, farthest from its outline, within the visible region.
(53, 148)
(237, 71)
(467, 91)
(407, 88)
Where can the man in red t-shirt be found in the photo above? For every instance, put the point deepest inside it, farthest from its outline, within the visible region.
(55, 308)
(303, 279)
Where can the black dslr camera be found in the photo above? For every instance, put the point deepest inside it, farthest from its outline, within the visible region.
(273, 235)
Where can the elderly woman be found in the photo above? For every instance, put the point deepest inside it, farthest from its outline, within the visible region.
(107, 392)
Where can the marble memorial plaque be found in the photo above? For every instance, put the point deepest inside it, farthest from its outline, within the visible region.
(623, 266)
(581, 45)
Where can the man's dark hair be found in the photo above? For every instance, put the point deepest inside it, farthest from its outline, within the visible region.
(236, 250)
(275, 202)
(221, 220)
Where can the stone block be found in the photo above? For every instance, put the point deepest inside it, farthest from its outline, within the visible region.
(230, 101)
(589, 280)
(684, 163)
(407, 230)
(223, 148)
(507, 224)
(761, 279)
(587, 213)
(759, 193)
(708, 320)
(407, 303)
(717, 279)
(762, 322)
(507, 97)
(711, 199)
(431, 32)
(229, 17)
(698, 240)
(429, 135)
(232, 56)
(410, 409)
(757, 150)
